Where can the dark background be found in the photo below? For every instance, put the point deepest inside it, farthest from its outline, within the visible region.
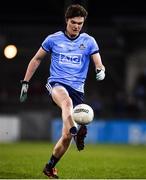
(119, 28)
(52, 11)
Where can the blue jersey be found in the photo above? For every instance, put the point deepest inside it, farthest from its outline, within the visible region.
(70, 58)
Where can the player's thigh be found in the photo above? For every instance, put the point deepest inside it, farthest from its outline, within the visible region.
(60, 95)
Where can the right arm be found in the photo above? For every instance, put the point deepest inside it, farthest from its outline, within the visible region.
(34, 64)
(32, 67)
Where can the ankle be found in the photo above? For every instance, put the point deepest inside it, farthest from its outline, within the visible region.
(73, 131)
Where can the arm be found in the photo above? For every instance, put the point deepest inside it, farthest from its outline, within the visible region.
(34, 64)
(99, 67)
(32, 67)
(97, 61)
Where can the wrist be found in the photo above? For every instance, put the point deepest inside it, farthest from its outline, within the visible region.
(24, 82)
(98, 69)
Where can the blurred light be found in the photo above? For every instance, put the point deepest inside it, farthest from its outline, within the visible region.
(10, 51)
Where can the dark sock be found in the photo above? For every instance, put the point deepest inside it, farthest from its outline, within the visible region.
(52, 162)
(73, 131)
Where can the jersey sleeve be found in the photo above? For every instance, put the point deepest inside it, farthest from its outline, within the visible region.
(94, 48)
(47, 44)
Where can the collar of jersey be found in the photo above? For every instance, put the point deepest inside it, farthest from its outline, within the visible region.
(72, 39)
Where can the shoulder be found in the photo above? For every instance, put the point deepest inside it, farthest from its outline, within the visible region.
(55, 35)
(91, 41)
(87, 36)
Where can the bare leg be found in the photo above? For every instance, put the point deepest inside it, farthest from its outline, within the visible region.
(62, 99)
(62, 145)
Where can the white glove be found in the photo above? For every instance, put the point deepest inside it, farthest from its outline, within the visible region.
(100, 74)
(24, 89)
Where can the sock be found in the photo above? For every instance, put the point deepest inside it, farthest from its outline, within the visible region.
(73, 131)
(52, 162)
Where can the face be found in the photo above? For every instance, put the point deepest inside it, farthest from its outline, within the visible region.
(74, 26)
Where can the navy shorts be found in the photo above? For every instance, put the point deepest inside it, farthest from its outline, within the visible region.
(76, 96)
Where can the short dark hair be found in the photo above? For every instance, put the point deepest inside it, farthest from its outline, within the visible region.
(76, 10)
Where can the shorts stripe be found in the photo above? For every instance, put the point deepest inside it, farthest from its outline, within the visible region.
(49, 88)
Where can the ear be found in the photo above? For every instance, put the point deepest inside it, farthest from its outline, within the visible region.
(66, 20)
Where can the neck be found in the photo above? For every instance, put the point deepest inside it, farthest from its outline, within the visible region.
(71, 36)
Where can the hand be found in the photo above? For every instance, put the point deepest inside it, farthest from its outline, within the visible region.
(100, 74)
(24, 89)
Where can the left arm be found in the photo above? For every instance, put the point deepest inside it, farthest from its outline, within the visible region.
(99, 67)
(97, 61)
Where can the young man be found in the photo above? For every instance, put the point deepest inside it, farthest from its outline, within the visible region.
(71, 52)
